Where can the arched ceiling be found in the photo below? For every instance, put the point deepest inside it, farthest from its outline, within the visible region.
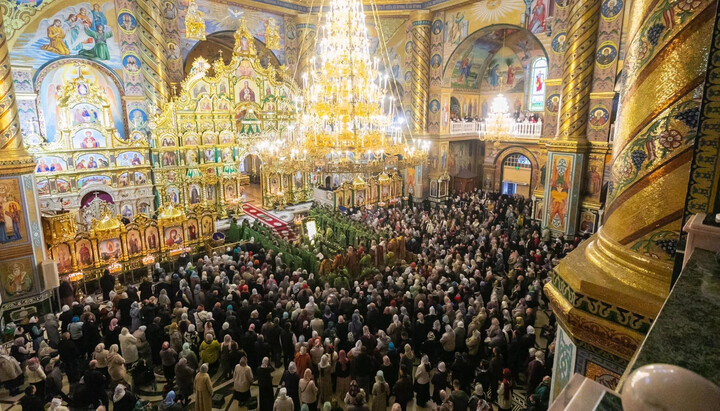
(224, 41)
(495, 58)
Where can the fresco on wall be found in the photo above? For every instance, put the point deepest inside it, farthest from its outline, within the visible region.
(538, 14)
(461, 158)
(457, 28)
(560, 184)
(80, 30)
(224, 17)
(487, 12)
(493, 60)
(51, 89)
(504, 72)
(12, 217)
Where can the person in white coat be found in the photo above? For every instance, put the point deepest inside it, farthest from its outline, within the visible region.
(128, 346)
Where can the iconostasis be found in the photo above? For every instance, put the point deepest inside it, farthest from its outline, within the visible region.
(203, 136)
(87, 153)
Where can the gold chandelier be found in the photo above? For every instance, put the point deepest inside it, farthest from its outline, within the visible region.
(345, 113)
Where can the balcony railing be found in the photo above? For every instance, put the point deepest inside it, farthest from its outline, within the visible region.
(525, 129)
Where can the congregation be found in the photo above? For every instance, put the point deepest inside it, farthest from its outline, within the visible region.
(451, 326)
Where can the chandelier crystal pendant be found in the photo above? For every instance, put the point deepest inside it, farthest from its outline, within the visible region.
(345, 113)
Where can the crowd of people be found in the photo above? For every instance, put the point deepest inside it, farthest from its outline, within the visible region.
(450, 327)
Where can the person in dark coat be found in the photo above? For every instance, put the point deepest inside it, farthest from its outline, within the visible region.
(69, 356)
(31, 401)
(403, 390)
(291, 381)
(497, 365)
(264, 377)
(95, 384)
(123, 400)
(535, 372)
(107, 284)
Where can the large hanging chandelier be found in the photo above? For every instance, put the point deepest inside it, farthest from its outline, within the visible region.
(499, 121)
(345, 113)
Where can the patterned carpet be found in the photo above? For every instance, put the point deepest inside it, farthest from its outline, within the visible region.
(276, 224)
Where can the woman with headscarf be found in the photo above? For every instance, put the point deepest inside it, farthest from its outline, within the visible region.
(283, 401)
(210, 351)
(422, 381)
(135, 316)
(325, 379)
(184, 375)
(302, 360)
(190, 356)
(505, 391)
(100, 355)
(168, 358)
(228, 355)
(128, 346)
(407, 362)
(171, 403)
(308, 390)
(123, 400)
(390, 372)
(203, 390)
(116, 365)
(380, 392)
(265, 384)
(112, 334)
(34, 375)
(242, 379)
(353, 400)
(291, 381)
(342, 373)
(439, 382)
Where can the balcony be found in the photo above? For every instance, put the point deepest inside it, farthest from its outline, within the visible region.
(523, 130)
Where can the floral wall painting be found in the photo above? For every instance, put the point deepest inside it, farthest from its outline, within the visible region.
(13, 226)
(81, 30)
(17, 277)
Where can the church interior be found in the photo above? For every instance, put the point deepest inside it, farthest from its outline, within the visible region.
(359, 204)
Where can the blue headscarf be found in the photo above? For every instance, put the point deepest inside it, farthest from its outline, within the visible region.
(169, 399)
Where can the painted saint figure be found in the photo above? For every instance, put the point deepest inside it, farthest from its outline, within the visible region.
(100, 50)
(56, 35)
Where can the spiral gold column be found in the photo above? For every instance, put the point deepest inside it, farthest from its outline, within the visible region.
(152, 51)
(578, 64)
(14, 159)
(421, 22)
(569, 147)
(607, 292)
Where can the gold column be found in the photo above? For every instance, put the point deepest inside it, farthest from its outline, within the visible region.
(14, 159)
(421, 22)
(607, 291)
(578, 64)
(567, 151)
(152, 51)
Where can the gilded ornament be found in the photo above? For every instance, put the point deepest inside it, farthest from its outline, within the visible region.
(194, 22)
(272, 36)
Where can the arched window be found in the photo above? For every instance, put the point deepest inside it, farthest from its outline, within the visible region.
(536, 101)
(517, 161)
